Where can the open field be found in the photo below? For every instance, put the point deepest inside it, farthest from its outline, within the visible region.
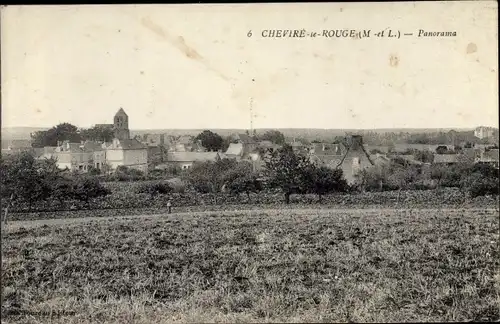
(376, 265)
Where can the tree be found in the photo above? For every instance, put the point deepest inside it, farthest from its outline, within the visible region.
(483, 180)
(209, 176)
(274, 136)
(24, 179)
(242, 179)
(210, 140)
(324, 180)
(374, 178)
(401, 177)
(62, 189)
(287, 171)
(98, 133)
(85, 188)
(61, 132)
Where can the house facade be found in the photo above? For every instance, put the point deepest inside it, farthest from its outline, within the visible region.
(70, 156)
(483, 132)
(351, 159)
(185, 160)
(248, 143)
(122, 151)
(127, 152)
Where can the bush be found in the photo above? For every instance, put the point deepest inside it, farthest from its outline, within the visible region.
(479, 185)
(482, 181)
(177, 185)
(124, 173)
(86, 188)
(154, 189)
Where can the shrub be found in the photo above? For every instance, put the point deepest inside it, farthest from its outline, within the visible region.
(177, 185)
(86, 188)
(154, 189)
(482, 181)
(123, 173)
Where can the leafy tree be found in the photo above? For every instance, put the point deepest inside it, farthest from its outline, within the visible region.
(210, 140)
(274, 136)
(323, 180)
(85, 188)
(62, 189)
(209, 177)
(98, 133)
(24, 179)
(480, 184)
(242, 179)
(287, 171)
(61, 132)
(373, 178)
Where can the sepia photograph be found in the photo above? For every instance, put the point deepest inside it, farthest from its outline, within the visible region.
(250, 163)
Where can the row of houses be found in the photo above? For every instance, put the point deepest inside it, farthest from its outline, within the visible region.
(351, 158)
(121, 151)
(184, 151)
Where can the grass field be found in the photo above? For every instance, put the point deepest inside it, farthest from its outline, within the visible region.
(267, 266)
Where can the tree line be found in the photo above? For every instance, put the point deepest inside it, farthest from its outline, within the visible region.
(69, 132)
(26, 180)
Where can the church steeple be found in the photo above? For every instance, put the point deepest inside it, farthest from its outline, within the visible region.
(120, 123)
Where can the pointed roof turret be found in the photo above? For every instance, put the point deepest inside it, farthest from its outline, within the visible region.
(121, 112)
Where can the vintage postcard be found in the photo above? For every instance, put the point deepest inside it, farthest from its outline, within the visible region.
(300, 162)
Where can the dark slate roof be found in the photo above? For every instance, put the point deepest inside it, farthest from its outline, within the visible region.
(246, 139)
(132, 144)
(92, 146)
(121, 112)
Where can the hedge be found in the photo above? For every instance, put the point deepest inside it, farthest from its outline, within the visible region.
(130, 199)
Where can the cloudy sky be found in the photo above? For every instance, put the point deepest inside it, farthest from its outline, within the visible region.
(193, 66)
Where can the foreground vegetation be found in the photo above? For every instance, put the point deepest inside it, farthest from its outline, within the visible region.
(330, 266)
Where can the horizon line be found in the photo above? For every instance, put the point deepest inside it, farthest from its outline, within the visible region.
(277, 128)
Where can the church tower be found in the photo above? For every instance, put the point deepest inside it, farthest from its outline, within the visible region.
(120, 124)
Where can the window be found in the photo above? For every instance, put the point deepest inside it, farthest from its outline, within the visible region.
(355, 165)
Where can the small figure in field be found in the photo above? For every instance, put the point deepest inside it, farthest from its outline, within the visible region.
(169, 207)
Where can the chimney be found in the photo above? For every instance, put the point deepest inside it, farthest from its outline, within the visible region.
(356, 142)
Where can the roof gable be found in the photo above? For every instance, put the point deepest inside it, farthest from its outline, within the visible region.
(121, 112)
(235, 149)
